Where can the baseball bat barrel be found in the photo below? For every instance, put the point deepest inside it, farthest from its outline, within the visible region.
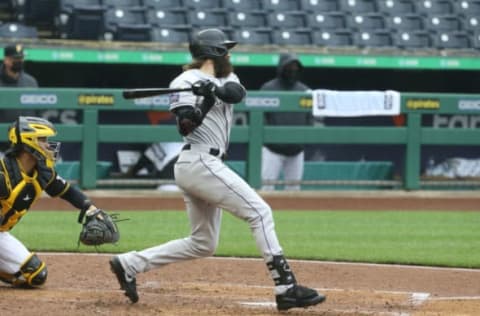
(150, 92)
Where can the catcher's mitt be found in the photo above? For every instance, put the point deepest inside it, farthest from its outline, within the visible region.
(99, 228)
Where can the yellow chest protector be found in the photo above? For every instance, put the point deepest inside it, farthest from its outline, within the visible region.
(23, 190)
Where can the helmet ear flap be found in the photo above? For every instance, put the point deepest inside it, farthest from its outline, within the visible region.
(17, 131)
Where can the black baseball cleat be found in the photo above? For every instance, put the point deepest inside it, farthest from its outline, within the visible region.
(128, 284)
(298, 296)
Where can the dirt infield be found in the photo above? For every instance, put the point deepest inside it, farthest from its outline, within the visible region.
(83, 285)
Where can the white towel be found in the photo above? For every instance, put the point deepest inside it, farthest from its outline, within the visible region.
(355, 103)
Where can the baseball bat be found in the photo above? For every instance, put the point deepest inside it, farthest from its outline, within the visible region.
(150, 92)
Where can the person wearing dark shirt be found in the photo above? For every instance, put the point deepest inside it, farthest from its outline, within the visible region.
(288, 158)
(12, 75)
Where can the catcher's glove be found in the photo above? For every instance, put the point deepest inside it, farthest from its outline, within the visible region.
(99, 228)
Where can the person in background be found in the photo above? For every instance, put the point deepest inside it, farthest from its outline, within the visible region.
(286, 157)
(12, 75)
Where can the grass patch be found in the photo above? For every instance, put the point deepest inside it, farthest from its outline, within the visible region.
(413, 237)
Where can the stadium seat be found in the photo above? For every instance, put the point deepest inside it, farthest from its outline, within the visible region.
(242, 5)
(133, 32)
(207, 18)
(253, 36)
(247, 19)
(334, 38)
(471, 23)
(405, 22)
(116, 16)
(6, 5)
(467, 7)
(373, 38)
(412, 40)
(366, 21)
(288, 19)
(327, 20)
(358, 6)
(396, 7)
(131, 4)
(35, 12)
(292, 37)
(202, 4)
(280, 5)
(166, 17)
(162, 4)
(125, 24)
(171, 34)
(451, 40)
(476, 40)
(18, 30)
(84, 22)
(430, 7)
(319, 5)
(440, 23)
(67, 5)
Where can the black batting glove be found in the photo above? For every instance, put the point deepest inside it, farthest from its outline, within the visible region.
(204, 88)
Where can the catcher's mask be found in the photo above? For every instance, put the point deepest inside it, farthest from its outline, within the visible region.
(31, 134)
(210, 43)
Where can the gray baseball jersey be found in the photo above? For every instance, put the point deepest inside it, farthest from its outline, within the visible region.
(208, 186)
(215, 128)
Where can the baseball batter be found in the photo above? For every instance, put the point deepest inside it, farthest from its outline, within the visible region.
(204, 118)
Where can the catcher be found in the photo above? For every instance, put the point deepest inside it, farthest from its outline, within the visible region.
(26, 170)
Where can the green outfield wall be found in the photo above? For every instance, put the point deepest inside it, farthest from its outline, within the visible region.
(90, 133)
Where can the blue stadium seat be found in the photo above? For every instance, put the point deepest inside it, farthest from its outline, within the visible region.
(166, 17)
(327, 20)
(476, 40)
(396, 7)
(366, 21)
(18, 30)
(452, 40)
(173, 35)
(133, 32)
(253, 36)
(471, 23)
(207, 18)
(319, 5)
(242, 5)
(467, 7)
(440, 23)
(358, 6)
(429, 7)
(36, 12)
(413, 40)
(202, 4)
(162, 4)
(82, 22)
(287, 19)
(131, 4)
(292, 37)
(280, 5)
(247, 19)
(405, 22)
(126, 25)
(333, 38)
(373, 38)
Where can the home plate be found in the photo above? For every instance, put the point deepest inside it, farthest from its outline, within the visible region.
(260, 304)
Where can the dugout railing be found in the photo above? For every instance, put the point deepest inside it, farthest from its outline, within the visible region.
(90, 133)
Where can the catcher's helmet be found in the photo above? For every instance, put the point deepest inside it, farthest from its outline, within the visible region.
(25, 132)
(210, 43)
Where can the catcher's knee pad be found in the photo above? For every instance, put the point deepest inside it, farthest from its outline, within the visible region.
(33, 272)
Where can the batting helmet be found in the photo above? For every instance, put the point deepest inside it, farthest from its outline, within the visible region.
(210, 43)
(24, 134)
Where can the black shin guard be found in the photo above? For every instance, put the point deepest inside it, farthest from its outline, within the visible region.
(280, 271)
